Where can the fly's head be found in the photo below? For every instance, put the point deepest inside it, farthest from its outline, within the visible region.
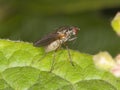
(67, 33)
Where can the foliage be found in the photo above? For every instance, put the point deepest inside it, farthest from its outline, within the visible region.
(22, 68)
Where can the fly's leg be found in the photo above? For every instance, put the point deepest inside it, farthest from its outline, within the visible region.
(53, 62)
(54, 58)
(39, 59)
(69, 55)
(42, 56)
(72, 39)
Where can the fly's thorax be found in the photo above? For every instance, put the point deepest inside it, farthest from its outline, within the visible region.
(53, 46)
(65, 35)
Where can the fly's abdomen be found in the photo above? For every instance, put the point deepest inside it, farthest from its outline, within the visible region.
(53, 46)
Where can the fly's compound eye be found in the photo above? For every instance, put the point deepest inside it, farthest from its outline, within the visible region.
(75, 30)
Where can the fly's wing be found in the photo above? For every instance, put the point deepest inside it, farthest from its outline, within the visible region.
(46, 40)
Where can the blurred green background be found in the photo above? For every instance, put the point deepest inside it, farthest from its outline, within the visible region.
(29, 20)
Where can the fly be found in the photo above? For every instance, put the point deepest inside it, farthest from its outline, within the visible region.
(55, 40)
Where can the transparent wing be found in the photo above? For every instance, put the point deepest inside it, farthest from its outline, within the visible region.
(46, 40)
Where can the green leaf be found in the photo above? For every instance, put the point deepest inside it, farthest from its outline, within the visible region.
(25, 67)
(116, 23)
